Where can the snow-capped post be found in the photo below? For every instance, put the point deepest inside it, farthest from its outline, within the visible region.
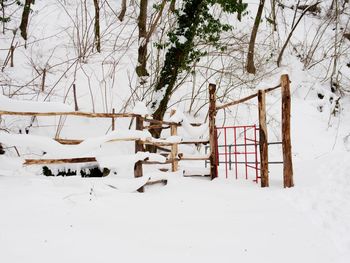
(174, 147)
(76, 108)
(286, 141)
(139, 148)
(264, 161)
(212, 131)
(113, 120)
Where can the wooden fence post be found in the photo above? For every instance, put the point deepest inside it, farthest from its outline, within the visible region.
(212, 132)
(263, 140)
(174, 147)
(139, 148)
(286, 140)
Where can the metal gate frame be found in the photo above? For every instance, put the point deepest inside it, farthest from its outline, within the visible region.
(237, 150)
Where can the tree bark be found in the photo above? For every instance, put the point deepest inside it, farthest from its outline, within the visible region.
(174, 60)
(97, 26)
(273, 15)
(141, 69)
(122, 11)
(239, 13)
(1, 149)
(250, 67)
(279, 59)
(172, 5)
(25, 18)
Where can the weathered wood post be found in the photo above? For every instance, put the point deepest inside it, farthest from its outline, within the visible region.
(174, 147)
(212, 132)
(286, 140)
(263, 139)
(139, 148)
(113, 120)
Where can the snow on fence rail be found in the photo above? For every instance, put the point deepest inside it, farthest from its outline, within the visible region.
(263, 138)
(74, 151)
(174, 140)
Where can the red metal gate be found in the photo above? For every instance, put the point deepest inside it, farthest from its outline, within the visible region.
(238, 146)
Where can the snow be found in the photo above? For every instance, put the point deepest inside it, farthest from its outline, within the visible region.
(140, 108)
(54, 149)
(187, 221)
(119, 161)
(182, 39)
(73, 219)
(7, 104)
(193, 132)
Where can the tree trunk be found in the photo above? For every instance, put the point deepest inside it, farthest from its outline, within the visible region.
(97, 26)
(172, 5)
(122, 11)
(25, 17)
(250, 67)
(141, 69)
(3, 16)
(1, 149)
(273, 15)
(174, 60)
(239, 14)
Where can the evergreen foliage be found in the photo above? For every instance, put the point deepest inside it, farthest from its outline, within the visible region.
(3, 5)
(194, 21)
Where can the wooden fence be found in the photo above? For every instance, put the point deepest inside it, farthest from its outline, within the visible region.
(263, 136)
(141, 123)
(175, 156)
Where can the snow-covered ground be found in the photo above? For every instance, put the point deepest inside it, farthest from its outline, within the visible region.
(73, 219)
(190, 220)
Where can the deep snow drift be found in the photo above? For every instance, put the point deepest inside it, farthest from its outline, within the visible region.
(73, 219)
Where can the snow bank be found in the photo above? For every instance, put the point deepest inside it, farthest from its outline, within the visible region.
(193, 132)
(7, 104)
(140, 108)
(57, 150)
(119, 161)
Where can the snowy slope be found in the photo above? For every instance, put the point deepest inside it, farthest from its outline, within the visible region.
(190, 220)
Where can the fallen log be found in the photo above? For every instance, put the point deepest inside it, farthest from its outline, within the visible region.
(59, 161)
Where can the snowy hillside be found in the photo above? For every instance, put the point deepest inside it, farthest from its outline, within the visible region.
(191, 219)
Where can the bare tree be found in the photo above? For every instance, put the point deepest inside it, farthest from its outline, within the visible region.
(122, 11)
(294, 26)
(97, 26)
(142, 51)
(25, 18)
(250, 67)
(145, 35)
